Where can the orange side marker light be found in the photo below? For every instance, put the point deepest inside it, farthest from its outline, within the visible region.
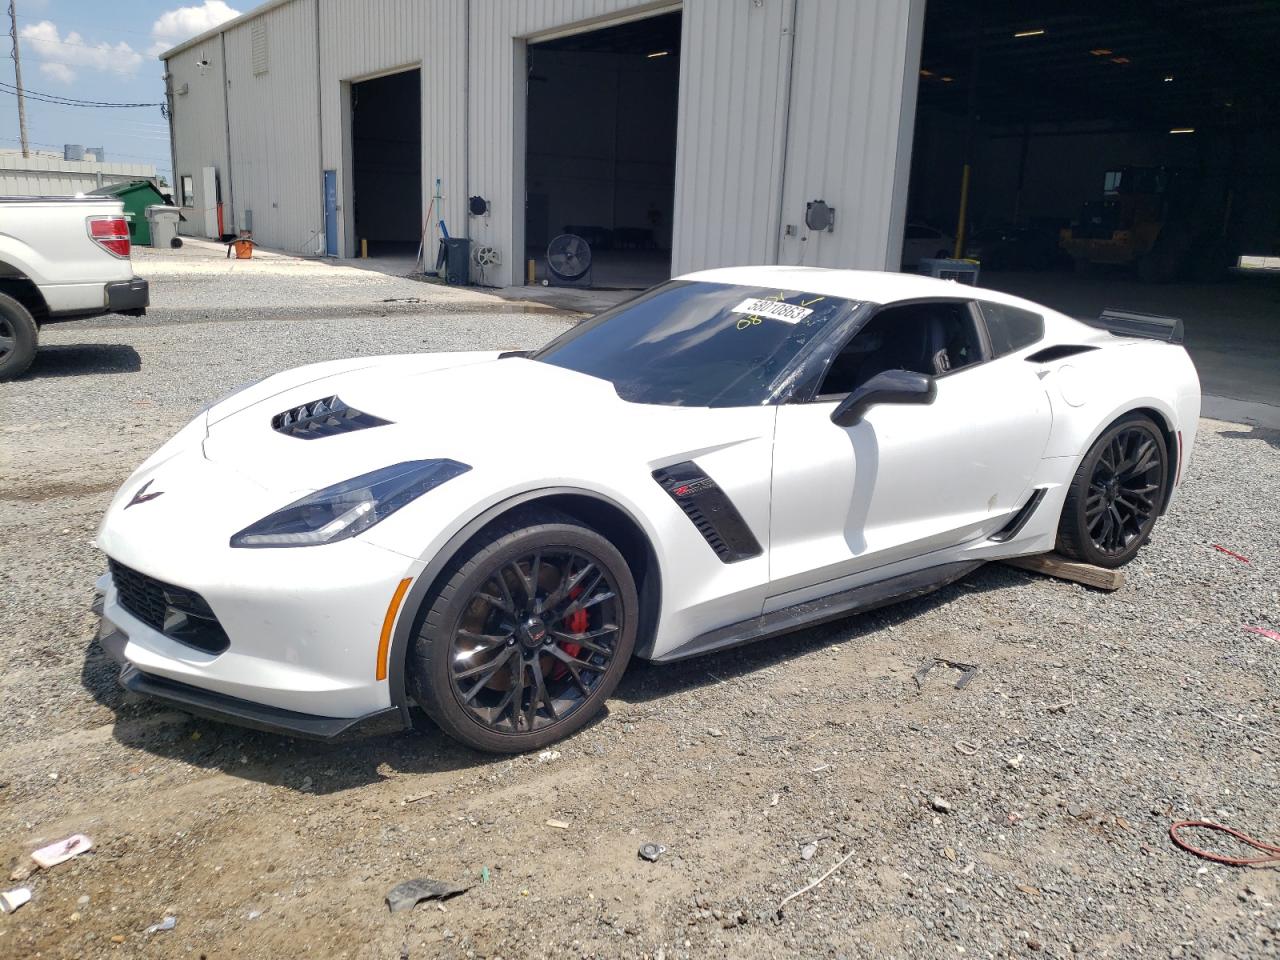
(384, 641)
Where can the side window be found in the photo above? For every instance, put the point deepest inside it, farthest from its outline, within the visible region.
(1011, 328)
(932, 338)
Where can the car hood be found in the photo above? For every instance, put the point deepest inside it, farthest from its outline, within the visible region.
(507, 418)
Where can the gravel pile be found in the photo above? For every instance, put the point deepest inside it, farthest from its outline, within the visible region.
(1023, 815)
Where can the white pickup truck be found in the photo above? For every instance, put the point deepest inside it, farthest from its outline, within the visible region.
(61, 258)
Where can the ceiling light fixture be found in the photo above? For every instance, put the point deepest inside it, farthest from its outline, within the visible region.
(926, 73)
(658, 53)
(1183, 130)
(1037, 32)
(1100, 52)
(948, 79)
(1168, 79)
(1119, 59)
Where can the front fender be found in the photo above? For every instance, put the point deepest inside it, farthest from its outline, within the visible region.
(437, 557)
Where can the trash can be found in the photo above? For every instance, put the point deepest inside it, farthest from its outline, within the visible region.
(163, 221)
(455, 257)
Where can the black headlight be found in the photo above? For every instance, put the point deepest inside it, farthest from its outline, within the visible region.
(348, 508)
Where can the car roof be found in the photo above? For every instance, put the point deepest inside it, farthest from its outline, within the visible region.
(873, 286)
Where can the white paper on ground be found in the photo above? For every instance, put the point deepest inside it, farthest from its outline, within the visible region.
(63, 850)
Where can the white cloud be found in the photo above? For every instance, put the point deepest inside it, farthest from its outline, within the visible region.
(59, 54)
(174, 26)
(57, 71)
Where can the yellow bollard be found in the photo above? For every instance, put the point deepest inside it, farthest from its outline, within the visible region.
(964, 213)
(532, 274)
(364, 248)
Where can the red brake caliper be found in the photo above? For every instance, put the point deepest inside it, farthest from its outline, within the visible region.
(576, 622)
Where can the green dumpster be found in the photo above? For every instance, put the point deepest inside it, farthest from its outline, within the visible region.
(136, 195)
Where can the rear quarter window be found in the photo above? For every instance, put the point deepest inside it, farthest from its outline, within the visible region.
(1011, 328)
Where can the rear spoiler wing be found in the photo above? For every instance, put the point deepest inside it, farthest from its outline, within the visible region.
(1125, 323)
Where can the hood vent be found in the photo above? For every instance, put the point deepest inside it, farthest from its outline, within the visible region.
(323, 418)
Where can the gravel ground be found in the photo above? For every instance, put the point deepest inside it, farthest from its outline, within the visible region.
(1025, 814)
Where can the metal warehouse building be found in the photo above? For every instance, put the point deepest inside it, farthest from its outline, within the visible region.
(672, 136)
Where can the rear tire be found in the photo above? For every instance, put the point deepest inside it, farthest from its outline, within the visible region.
(526, 635)
(18, 337)
(1116, 495)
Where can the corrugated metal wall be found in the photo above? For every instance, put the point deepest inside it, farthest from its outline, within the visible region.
(275, 136)
(733, 110)
(49, 177)
(199, 126)
(760, 131)
(842, 141)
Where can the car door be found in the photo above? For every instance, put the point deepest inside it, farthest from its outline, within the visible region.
(906, 480)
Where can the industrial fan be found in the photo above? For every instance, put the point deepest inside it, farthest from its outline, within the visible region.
(569, 261)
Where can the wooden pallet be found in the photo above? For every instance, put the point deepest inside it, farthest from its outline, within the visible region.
(1055, 565)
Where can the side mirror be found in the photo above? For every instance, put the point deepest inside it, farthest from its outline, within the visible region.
(891, 386)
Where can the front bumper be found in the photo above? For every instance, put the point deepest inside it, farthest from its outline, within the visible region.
(130, 297)
(212, 704)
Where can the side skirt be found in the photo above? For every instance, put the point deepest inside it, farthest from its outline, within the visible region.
(812, 612)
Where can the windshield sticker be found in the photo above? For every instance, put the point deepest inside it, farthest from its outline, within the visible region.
(757, 309)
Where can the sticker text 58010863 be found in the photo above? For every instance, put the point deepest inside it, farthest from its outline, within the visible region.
(773, 309)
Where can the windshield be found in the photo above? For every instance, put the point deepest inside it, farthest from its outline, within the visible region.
(697, 344)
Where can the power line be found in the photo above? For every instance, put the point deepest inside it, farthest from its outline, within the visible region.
(70, 101)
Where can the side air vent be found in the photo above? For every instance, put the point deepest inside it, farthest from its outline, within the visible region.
(710, 510)
(323, 418)
(1061, 351)
(1019, 519)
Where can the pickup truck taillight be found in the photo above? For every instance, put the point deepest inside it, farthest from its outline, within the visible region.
(111, 233)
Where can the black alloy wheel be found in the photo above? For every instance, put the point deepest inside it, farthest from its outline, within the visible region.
(18, 335)
(527, 635)
(1117, 494)
(536, 639)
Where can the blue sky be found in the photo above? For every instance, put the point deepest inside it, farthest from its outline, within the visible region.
(92, 50)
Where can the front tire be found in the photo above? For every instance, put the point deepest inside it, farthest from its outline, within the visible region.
(527, 634)
(18, 336)
(1117, 494)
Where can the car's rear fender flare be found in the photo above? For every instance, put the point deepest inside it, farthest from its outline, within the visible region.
(1091, 391)
(22, 289)
(591, 507)
(1164, 417)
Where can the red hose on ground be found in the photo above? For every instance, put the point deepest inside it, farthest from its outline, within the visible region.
(1271, 860)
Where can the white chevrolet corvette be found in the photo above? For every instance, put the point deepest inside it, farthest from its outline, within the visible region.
(732, 455)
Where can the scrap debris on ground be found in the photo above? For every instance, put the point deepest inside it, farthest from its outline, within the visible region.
(1125, 713)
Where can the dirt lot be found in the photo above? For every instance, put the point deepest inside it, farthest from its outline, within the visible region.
(1023, 815)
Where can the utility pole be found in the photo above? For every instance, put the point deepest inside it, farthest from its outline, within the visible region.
(17, 76)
